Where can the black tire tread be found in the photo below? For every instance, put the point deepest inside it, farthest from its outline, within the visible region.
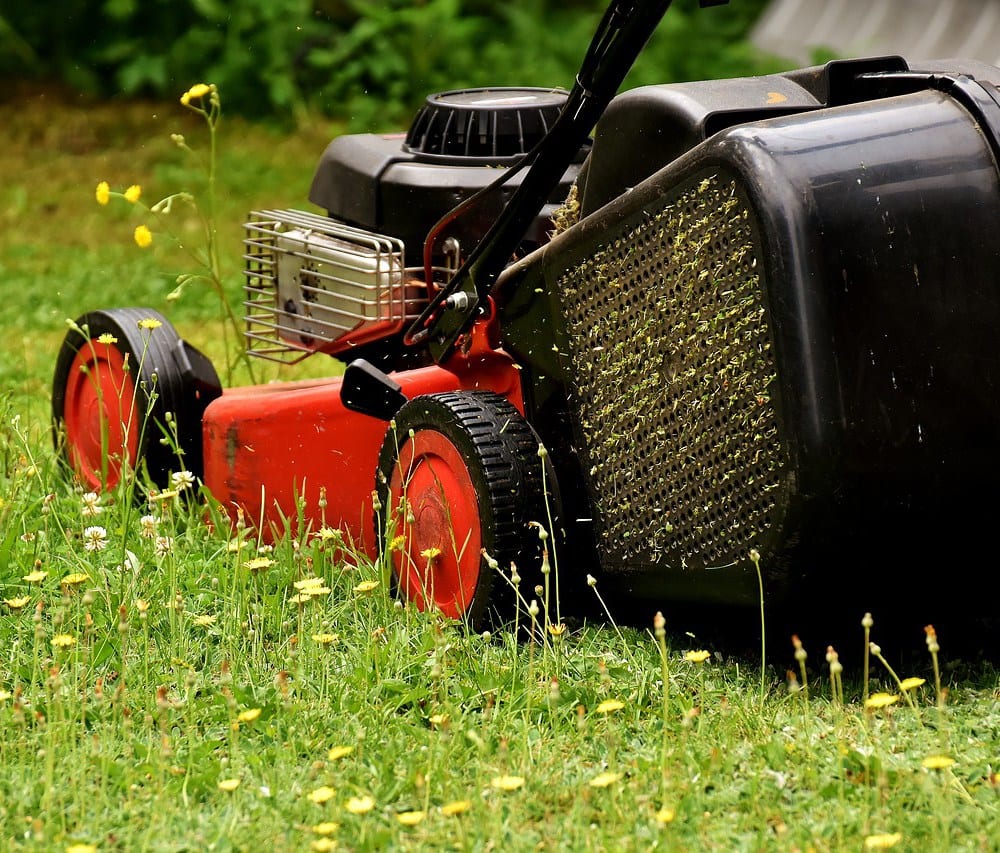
(501, 451)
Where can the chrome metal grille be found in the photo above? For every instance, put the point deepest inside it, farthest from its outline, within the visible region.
(673, 373)
(311, 280)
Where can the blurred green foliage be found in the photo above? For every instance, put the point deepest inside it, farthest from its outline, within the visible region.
(369, 61)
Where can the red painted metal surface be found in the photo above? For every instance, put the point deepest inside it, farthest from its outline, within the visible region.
(268, 445)
(102, 424)
(437, 541)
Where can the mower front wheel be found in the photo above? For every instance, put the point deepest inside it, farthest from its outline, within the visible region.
(460, 478)
(129, 391)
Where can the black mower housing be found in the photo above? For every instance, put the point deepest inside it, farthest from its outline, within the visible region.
(775, 328)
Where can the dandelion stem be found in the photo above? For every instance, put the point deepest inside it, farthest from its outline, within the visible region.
(660, 631)
(755, 559)
(866, 623)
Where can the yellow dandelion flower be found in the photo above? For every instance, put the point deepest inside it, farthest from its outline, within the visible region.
(150, 323)
(204, 620)
(455, 807)
(166, 494)
(63, 641)
(102, 193)
(107, 338)
(699, 656)
(430, 553)
(366, 586)
(328, 534)
(411, 818)
(198, 90)
(360, 805)
(603, 780)
(881, 700)
(142, 236)
(608, 706)
(236, 545)
(937, 762)
(17, 603)
(338, 752)
(507, 783)
(883, 841)
(249, 715)
(36, 576)
(141, 605)
(665, 816)
(258, 563)
(316, 591)
(322, 794)
(81, 848)
(438, 719)
(327, 827)
(322, 845)
(397, 543)
(228, 785)
(300, 598)
(557, 630)
(307, 583)
(911, 683)
(325, 639)
(133, 193)
(75, 579)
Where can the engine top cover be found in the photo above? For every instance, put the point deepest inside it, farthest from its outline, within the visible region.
(493, 124)
(459, 142)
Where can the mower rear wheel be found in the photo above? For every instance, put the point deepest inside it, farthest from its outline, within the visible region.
(128, 391)
(459, 478)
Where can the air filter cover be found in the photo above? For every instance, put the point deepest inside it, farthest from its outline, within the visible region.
(494, 125)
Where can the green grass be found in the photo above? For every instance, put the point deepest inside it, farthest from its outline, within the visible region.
(122, 738)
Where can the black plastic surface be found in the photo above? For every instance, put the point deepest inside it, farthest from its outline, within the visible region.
(662, 122)
(368, 390)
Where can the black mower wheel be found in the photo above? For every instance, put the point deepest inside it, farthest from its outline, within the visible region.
(460, 477)
(125, 381)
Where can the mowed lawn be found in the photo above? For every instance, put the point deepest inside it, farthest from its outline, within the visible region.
(170, 681)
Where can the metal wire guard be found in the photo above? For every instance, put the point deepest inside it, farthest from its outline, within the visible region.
(312, 282)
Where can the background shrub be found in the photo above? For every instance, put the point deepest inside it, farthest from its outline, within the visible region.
(369, 61)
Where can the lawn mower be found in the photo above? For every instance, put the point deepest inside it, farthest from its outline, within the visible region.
(690, 331)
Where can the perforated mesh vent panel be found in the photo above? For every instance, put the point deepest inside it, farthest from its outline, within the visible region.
(672, 376)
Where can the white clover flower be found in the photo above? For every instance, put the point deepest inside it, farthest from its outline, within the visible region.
(147, 526)
(91, 505)
(95, 539)
(181, 480)
(163, 545)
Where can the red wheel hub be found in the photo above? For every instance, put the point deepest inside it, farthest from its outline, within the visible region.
(438, 557)
(102, 423)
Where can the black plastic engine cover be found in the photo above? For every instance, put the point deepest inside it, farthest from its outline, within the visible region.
(786, 339)
(374, 182)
